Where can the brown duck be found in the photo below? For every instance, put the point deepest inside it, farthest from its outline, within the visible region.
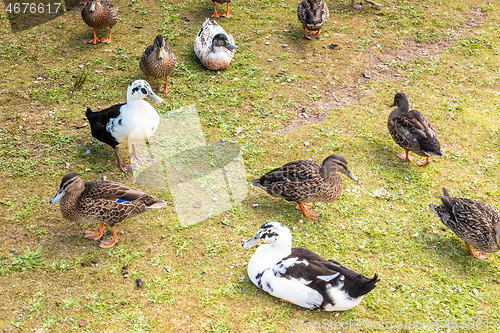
(474, 222)
(226, 14)
(99, 14)
(313, 14)
(158, 61)
(306, 181)
(411, 130)
(100, 201)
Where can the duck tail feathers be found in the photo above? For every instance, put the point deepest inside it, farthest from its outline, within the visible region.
(369, 285)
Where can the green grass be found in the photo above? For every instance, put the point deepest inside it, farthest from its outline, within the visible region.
(445, 57)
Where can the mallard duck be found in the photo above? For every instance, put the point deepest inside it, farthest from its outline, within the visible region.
(474, 222)
(99, 14)
(361, 4)
(306, 181)
(213, 46)
(95, 201)
(158, 61)
(411, 130)
(124, 124)
(300, 276)
(226, 14)
(312, 14)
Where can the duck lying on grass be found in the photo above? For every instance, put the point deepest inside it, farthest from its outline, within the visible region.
(300, 276)
(95, 201)
(214, 46)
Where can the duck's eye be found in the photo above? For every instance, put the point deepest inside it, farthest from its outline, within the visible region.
(144, 91)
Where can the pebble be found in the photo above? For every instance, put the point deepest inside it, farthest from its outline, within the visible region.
(294, 228)
(270, 60)
(67, 165)
(168, 269)
(80, 66)
(125, 267)
(301, 221)
(306, 143)
(82, 323)
(306, 234)
(305, 115)
(87, 152)
(84, 264)
(415, 234)
(279, 36)
(314, 87)
(95, 261)
(475, 291)
(285, 45)
(214, 199)
(139, 283)
(254, 205)
(87, 169)
(222, 140)
(104, 177)
(267, 43)
(459, 289)
(259, 131)
(13, 250)
(285, 30)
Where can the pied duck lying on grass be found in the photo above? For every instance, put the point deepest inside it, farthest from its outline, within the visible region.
(300, 276)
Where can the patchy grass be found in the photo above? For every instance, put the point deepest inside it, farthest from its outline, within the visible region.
(280, 92)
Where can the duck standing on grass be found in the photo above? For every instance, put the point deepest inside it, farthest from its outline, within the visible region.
(313, 14)
(214, 46)
(300, 276)
(158, 61)
(124, 124)
(474, 222)
(99, 14)
(306, 181)
(95, 201)
(411, 130)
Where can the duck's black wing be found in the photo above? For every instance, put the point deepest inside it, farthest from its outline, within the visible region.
(99, 120)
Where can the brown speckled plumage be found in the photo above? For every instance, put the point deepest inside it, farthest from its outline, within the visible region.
(313, 14)
(104, 15)
(475, 222)
(151, 63)
(95, 201)
(306, 181)
(411, 130)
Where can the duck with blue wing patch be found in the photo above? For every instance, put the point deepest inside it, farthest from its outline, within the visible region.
(300, 276)
(123, 124)
(411, 130)
(101, 201)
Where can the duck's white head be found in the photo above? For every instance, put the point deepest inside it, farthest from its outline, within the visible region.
(140, 89)
(220, 40)
(273, 233)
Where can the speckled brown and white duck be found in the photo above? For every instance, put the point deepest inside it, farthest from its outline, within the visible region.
(95, 201)
(214, 46)
(300, 276)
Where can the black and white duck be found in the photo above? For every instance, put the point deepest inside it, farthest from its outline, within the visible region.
(474, 222)
(123, 124)
(95, 201)
(300, 276)
(306, 181)
(411, 130)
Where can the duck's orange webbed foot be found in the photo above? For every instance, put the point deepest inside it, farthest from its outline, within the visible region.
(95, 235)
(107, 40)
(423, 162)
(405, 156)
(308, 211)
(315, 32)
(165, 89)
(226, 14)
(478, 255)
(305, 36)
(107, 243)
(95, 40)
(215, 14)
